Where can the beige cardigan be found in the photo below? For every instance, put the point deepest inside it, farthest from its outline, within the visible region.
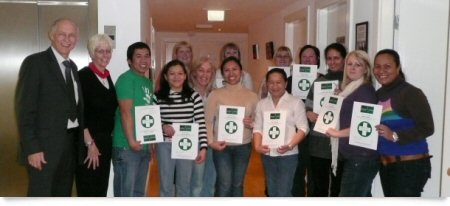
(231, 95)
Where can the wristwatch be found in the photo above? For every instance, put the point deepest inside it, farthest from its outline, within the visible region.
(394, 136)
(290, 147)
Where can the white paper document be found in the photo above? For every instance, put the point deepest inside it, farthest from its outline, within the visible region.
(231, 125)
(286, 69)
(185, 141)
(323, 89)
(365, 117)
(329, 114)
(303, 77)
(147, 121)
(274, 129)
(220, 82)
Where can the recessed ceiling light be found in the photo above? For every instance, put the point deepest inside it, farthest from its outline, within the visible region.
(216, 15)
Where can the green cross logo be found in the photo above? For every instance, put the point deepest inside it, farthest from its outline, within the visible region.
(274, 132)
(231, 127)
(321, 101)
(185, 144)
(304, 85)
(147, 121)
(364, 129)
(328, 117)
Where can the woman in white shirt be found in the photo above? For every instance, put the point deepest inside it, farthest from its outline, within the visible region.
(280, 162)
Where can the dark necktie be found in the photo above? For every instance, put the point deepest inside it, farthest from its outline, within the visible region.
(70, 91)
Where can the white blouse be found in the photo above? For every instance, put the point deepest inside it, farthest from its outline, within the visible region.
(296, 118)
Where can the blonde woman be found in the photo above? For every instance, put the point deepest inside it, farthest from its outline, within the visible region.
(203, 179)
(360, 165)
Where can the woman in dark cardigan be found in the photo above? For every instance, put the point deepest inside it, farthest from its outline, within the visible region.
(100, 105)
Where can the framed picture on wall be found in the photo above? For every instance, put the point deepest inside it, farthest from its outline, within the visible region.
(269, 50)
(362, 36)
(255, 50)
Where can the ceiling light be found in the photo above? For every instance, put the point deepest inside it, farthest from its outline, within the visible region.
(216, 15)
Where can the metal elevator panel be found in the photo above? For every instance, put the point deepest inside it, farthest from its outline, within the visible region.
(23, 31)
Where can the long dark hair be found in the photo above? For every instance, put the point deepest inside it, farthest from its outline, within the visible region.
(396, 58)
(164, 87)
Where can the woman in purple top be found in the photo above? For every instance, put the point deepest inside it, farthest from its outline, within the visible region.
(359, 165)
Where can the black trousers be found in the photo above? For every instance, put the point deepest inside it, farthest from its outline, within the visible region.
(326, 184)
(94, 183)
(302, 187)
(56, 177)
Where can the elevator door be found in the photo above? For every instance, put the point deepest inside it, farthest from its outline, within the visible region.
(23, 31)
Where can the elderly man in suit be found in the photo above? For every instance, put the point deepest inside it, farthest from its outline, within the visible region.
(49, 113)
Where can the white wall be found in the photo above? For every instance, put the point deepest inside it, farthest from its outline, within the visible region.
(126, 16)
(422, 45)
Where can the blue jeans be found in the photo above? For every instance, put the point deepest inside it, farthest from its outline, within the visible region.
(231, 167)
(130, 172)
(204, 177)
(357, 177)
(280, 172)
(405, 178)
(167, 172)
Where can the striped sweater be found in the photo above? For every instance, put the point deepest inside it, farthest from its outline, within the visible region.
(185, 111)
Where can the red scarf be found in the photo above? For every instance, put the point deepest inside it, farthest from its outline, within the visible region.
(94, 68)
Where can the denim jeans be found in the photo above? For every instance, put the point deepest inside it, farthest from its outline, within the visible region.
(357, 177)
(204, 177)
(405, 178)
(280, 172)
(231, 167)
(130, 172)
(167, 172)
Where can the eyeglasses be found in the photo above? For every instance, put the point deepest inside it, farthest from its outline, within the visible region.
(103, 51)
(283, 57)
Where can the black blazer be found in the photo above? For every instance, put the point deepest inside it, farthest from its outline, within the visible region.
(42, 105)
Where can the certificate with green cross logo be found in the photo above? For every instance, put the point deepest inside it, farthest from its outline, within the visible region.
(185, 141)
(302, 78)
(231, 124)
(365, 117)
(321, 90)
(274, 128)
(329, 114)
(147, 121)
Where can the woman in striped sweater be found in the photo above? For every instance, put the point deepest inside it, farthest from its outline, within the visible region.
(178, 103)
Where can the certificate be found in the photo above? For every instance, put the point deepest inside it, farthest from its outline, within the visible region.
(147, 121)
(286, 69)
(321, 90)
(362, 128)
(220, 82)
(231, 125)
(274, 128)
(185, 141)
(302, 78)
(329, 114)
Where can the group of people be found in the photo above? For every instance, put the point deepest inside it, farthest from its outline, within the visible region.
(73, 123)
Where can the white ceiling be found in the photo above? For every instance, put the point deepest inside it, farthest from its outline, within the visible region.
(184, 15)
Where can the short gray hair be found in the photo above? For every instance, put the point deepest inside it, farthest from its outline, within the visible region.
(95, 41)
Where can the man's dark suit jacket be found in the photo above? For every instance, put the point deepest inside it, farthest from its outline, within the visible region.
(42, 106)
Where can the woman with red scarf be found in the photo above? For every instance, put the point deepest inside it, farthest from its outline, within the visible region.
(100, 105)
